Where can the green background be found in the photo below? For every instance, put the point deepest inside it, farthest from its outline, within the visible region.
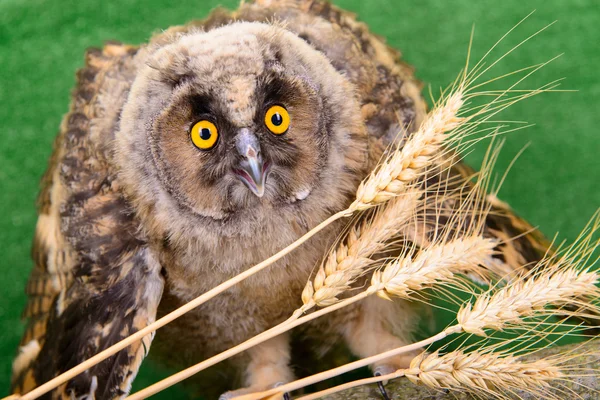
(553, 183)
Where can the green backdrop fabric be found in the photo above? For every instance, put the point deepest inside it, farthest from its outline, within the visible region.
(553, 184)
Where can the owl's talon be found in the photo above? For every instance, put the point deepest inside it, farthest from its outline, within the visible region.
(382, 387)
(286, 395)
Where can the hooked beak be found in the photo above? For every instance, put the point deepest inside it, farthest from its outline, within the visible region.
(252, 169)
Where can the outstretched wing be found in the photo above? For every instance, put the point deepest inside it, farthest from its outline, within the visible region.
(95, 281)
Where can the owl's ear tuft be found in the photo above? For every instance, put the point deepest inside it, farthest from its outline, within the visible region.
(176, 79)
(173, 68)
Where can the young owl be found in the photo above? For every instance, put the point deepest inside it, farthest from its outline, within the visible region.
(187, 160)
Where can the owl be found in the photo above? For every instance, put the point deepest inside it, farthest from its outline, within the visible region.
(185, 161)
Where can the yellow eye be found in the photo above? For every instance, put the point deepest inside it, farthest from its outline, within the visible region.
(204, 135)
(277, 120)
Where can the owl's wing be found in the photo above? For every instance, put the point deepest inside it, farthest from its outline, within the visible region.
(94, 281)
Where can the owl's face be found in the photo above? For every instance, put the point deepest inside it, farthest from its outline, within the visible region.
(238, 120)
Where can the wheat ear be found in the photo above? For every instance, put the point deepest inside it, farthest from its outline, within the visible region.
(526, 297)
(561, 279)
(406, 165)
(478, 372)
(354, 254)
(438, 263)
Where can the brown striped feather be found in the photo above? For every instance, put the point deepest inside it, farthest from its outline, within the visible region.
(94, 281)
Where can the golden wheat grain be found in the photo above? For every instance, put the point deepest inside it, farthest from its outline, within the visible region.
(354, 254)
(526, 296)
(406, 164)
(480, 372)
(435, 264)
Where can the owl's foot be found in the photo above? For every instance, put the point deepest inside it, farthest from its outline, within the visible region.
(239, 392)
(393, 364)
(389, 366)
(267, 369)
(381, 386)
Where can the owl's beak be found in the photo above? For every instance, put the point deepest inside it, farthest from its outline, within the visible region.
(252, 168)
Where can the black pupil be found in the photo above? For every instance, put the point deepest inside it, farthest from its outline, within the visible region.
(205, 133)
(277, 119)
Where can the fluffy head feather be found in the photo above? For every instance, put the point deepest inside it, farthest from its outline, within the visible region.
(231, 76)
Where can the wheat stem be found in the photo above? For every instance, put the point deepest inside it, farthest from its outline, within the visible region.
(352, 384)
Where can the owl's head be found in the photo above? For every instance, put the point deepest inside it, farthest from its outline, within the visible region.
(237, 122)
